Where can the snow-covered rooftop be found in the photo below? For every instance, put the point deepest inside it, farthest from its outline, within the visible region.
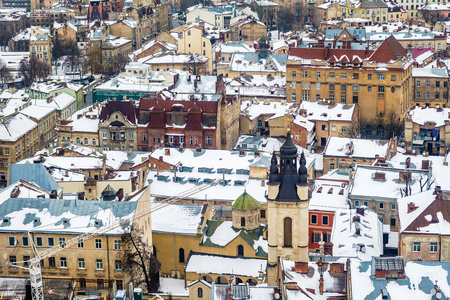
(422, 115)
(346, 240)
(358, 148)
(225, 265)
(16, 127)
(323, 111)
(329, 195)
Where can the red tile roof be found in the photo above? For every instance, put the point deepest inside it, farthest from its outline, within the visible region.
(388, 50)
(125, 107)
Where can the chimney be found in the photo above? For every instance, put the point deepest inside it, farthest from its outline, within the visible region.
(263, 183)
(380, 176)
(404, 176)
(328, 248)
(167, 152)
(303, 112)
(337, 268)
(437, 190)
(408, 162)
(356, 219)
(53, 194)
(256, 153)
(15, 192)
(80, 196)
(425, 164)
(411, 207)
(358, 231)
(301, 267)
(241, 153)
(161, 158)
(198, 149)
(360, 211)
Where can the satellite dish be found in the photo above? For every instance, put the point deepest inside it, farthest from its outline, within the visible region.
(433, 292)
(438, 295)
(277, 296)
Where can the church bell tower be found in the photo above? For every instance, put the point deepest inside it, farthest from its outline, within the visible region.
(288, 209)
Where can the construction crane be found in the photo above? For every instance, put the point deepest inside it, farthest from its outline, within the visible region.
(34, 264)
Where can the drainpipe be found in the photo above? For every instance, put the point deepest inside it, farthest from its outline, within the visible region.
(175, 253)
(107, 257)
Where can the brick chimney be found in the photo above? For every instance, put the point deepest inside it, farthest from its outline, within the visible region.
(408, 162)
(161, 158)
(337, 268)
(411, 207)
(425, 164)
(301, 267)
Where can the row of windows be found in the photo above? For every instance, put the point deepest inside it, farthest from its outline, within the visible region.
(417, 247)
(380, 204)
(307, 74)
(436, 95)
(428, 83)
(62, 241)
(325, 220)
(63, 262)
(78, 140)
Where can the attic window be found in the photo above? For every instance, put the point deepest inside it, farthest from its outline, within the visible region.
(319, 190)
(341, 192)
(242, 172)
(330, 191)
(5, 220)
(207, 180)
(239, 183)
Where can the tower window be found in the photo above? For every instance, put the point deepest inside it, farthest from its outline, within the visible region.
(287, 232)
(243, 222)
(240, 250)
(181, 255)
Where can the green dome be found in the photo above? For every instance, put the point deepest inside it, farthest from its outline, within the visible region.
(245, 202)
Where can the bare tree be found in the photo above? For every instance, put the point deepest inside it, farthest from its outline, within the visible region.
(32, 69)
(139, 261)
(5, 75)
(93, 61)
(196, 65)
(429, 16)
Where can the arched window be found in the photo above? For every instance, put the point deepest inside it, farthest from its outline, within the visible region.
(181, 255)
(86, 141)
(380, 131)
(78, 140)
(94, 142)
(200, 292)
(368, 130)
(243, 222)
(240, 250)
(63, 138)
(287, 232)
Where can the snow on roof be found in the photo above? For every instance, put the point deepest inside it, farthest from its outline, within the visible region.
(333, 284)
(253, 110)
(439, 172)
(430, 72)
(232, 47)
(204, 84)
(350, 147)
(23, 189)
(172, 286)
(422, 115)
(420, 278)
(37, 112)
(172, 58)
(252, 62)
(179, 218)
(60, 102)
(368, 182)
(16, 127)
(114, 159)
(429, 216)
(323, 111)
(424, 56)
(62, 216)
(346, 241)
(115, 42)
(303, 122)
(256, 80)
(225, 265)
(329, 195)
(35, 173)
(48, 87)
(72, 163)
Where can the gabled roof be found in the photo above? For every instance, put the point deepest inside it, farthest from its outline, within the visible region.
(125, 107)
(388, 51)
(36, 173)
